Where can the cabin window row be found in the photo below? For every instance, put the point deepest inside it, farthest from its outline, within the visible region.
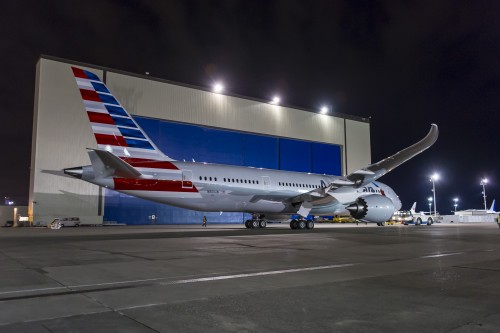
(208, 178)
(248, 181)
(240, 181)
(231, 180)
(296, 185)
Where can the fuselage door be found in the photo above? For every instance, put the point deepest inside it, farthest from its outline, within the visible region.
(266, 181)
(187, 179)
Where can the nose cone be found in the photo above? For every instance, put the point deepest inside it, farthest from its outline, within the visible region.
(74, 172)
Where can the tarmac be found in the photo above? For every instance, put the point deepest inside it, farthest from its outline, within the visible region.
(225, 278)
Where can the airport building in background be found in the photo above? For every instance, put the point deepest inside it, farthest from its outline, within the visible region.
(187, 123)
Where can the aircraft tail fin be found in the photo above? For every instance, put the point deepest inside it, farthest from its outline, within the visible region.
(114, 129)
(413, 208)
(492, 208)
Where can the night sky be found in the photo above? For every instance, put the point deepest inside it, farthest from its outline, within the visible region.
(405, 64)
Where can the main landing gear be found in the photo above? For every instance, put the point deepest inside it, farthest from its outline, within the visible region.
(301, 224)
(256, 222)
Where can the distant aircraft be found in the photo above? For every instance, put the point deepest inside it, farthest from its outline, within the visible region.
(488, 211)
(128, 161)
(413, 207)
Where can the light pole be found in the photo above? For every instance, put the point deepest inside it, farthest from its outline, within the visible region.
(434, 177)
(430, 204)
(483, 183)
(455, 204)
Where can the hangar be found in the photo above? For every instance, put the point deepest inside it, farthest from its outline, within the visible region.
(187, 123)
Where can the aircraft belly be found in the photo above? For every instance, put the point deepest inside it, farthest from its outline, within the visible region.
(210, 202)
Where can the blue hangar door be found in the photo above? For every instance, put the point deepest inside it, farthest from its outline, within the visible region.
(217, 146)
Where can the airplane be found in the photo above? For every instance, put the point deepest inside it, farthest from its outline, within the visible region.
(127, 161)
(488, 211)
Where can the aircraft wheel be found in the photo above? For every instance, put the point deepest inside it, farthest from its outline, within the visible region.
(310, 225)
(293, 224)
(429, 221)
(254, 224)
(262, 224)
(419, 221)
(302, 225)
(247, 224)
(382, 224)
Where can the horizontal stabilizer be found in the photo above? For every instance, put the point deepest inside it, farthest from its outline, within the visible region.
(105, 164)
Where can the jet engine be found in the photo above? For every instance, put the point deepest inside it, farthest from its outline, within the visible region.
(372, 208)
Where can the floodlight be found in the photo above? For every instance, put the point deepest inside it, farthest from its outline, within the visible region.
(218, 88)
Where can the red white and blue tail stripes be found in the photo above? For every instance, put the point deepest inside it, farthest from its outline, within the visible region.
(114, 129)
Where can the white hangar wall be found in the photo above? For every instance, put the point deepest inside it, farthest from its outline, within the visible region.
(61, 130)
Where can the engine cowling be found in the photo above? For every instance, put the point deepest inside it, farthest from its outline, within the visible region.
(372, 208)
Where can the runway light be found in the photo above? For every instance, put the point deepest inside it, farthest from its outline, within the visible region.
(218, 88)
(324, 110)
(276, 100)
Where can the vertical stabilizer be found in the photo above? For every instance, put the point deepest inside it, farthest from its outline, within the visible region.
(413, 208)
(114, 129)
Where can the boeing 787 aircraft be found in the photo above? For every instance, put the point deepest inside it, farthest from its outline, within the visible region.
(127, 161)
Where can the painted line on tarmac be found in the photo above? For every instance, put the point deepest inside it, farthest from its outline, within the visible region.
(76, 288)
(239, 276)
(31, 290)
(441, 255)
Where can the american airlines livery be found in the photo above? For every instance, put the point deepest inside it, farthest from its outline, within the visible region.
(127, 161)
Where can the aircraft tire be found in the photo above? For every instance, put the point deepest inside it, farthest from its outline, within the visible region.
(262, 224)
(247, 224)
(310, 225)
(429, 221)
(254, 224)
(418, 221)
(301, 225)
(293, 224)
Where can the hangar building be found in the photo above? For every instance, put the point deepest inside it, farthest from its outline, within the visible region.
(186, 123)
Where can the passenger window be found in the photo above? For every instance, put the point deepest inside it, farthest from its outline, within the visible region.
(200, 178)
(210, 178)
(205, 178)
(237, 180)
(215, 178)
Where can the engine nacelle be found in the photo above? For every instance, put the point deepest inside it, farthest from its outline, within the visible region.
(372, 208)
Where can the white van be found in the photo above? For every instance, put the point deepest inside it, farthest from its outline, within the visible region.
(58, 223)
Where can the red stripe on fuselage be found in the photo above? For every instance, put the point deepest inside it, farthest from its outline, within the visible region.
(106, 139)
(123, 184)
(147, 163)
(90, 95)
(101, 118)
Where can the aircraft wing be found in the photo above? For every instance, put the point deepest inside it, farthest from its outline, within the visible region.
(364, 176)
(374, 171)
